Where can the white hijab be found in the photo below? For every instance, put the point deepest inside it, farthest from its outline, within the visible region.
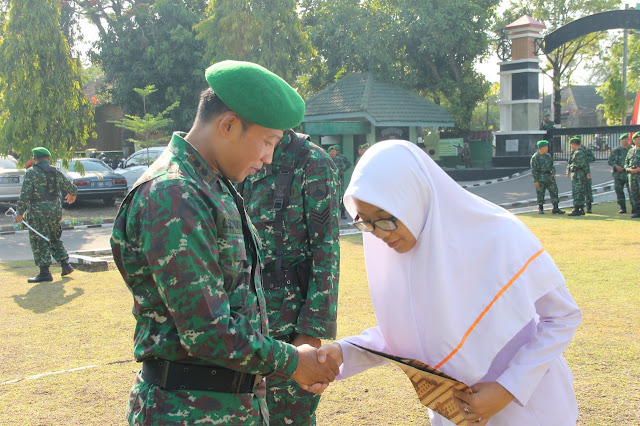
(470, 283)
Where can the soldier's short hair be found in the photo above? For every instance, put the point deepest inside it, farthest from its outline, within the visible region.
(211, 106)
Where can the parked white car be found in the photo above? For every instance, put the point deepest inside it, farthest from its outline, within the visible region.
(134, 166)
(11, 179)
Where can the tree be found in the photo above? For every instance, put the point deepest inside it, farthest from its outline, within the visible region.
(554, 14)
(144, 42)
(42, 102)
(267, 32)
(149, 125)
(486, 114)
(426, 46)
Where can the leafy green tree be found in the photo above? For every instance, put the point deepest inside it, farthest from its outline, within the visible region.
(148, 126)
(562, 62)
(42, 102)
(267, 32)
(426, 46)
(145, 42)
(486, 114)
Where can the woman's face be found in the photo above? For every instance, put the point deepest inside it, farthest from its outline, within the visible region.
(400, 239)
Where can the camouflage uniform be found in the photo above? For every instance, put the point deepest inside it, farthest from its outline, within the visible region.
(620, 179)
(578, 167)
(311, 234)
(189, 256)
(543, 171)
(588, 154)
(343, 164)
(633, 160)
(40, 199)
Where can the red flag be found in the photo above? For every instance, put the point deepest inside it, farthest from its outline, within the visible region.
(635, 118)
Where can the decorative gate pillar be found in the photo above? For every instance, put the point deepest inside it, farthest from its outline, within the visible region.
(519, 97)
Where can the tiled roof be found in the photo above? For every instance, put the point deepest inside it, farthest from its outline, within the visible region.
(359, 95)
(576, 98)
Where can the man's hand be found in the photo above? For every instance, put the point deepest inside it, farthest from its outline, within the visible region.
(485, 402)
(619, 168)
(536, 184)
(70, 198)
(305, 339)
(588, 175)
(18, 218)
(310, 374)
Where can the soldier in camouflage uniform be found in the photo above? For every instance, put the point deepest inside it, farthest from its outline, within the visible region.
(578, 171)
(588, 155)
(632, 166)
(544, 177)
(361, 150)
(343, 164)
(620, 179)
(40, 200)
(301, 219)
(190, 257)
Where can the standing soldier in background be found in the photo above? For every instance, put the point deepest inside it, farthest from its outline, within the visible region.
(343, 164)
(40, 200)
(361, 150)
(546, 125)
(544, 177)
(190, 257)
(620, 179)
(588, 155)
(578, 171)
(294, 205)
(632, 166)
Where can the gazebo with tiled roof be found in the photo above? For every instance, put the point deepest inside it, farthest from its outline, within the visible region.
(358, 109)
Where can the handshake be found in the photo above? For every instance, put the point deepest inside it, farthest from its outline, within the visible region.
(317, 367)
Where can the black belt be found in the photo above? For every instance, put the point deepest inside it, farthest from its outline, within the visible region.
(169, 375)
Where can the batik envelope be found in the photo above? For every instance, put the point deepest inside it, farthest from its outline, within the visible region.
(434, 388)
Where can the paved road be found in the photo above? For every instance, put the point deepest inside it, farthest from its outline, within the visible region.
(16, 246)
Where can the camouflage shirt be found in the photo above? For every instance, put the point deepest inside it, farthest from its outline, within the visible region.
(179, 243)
(41, 191)
(578, 163)
(541, 165)
(617, 157)
(311, 232)
(343, 164)
(633, 158)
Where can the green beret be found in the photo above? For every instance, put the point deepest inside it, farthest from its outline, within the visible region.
(256, 94)
(624, 136)
(576, 139)
(336, 147)
(542, 143)
(40, 152)
(636, 135)
(364, 145)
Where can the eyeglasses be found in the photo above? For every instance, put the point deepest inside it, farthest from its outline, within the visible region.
(383, 224)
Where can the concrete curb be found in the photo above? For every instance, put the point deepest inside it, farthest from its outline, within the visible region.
(489, 182)
(85, 224)
(92, 260)
(565, 196)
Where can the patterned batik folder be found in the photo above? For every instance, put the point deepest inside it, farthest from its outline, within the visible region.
(434, 388)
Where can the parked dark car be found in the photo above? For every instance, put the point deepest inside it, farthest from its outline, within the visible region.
(98, 182)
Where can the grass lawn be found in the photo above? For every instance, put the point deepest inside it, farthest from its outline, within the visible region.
(85, 320)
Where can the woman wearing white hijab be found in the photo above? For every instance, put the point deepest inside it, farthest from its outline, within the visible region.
(462, 285)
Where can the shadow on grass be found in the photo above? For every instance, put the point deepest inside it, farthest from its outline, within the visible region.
(45, 297)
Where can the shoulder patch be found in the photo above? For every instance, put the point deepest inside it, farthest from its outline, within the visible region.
(318, 190)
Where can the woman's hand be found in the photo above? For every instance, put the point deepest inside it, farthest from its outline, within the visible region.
(485, 402)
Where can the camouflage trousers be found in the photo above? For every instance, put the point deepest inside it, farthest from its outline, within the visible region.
(289, 404)
(547, 183)
(588, 192)
(619, 184)
(150, 405)
(578, 188)
(42, 250)
(634, 190)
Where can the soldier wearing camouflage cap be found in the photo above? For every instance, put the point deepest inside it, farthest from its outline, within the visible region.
(343, 165)
(620, 179)
(40, 201)
(632, 166)
(294, 205)
(190, 257)
(361, 150)
(544, 177)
